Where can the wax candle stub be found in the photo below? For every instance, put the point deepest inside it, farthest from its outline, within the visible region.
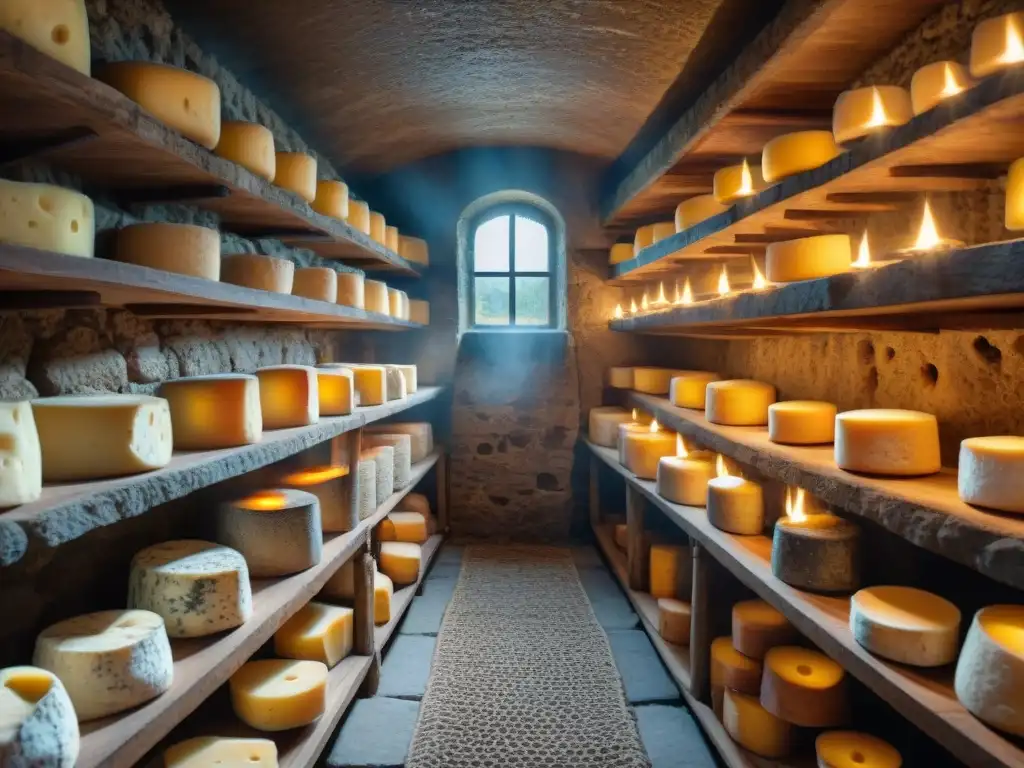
(820, 553)
(735, 505)
(644, 449)
(684, 479)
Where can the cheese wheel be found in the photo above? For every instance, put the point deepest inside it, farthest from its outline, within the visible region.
(990, 673)
(331, 199)
(224, 752)
(907, 625)
(404, 526)
(620, 252)
(401, 446)
(936, 82)
(808, 258)
(684, 479)
(262, 273)
(753, 727)
(739, 402)
(187, 102)
(848, 749)
(801, 422)
(58, 28)
(89, 437)
(383, 592)
(413, 249)
(735, 505)
(421, 435)
(643, 238)
(604, 424)
(757, 627)
(279, 532)
(1014, 215)
(415, 502)
(688, 389)
(384, 465)
(621, 535)
(335, 391)
(370, 382)
(38, 726)
(326, 483)
(794, 153)
(250, 145)
(317, 283)
(863, 111)
(735, 182)
(21, 460)
(642, 451)
(376, 297)
(395, 302)
(419, 311)
(662, 230)
(350, 290)
(621, 378)
(46, 217)
(296, 172)
(317, 632)
(378, 228)
(366, 477)
(991, 472)
(108, 661)
(670, 568)
(359, 216)
(674, 621)
(653, 381)
(996, 44)
(278, 694)
(197, 587)
(693, 211)
(731, 669)
(215, 411)
(391, 238)
(289, 396)
(887, 442)
(400, 561)
(409, 374)
(804, 687)
(180, 248)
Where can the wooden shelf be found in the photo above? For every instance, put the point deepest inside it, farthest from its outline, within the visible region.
(925, 697)
(402, 598)
(70, 510)
(960, 144)
(58, 115)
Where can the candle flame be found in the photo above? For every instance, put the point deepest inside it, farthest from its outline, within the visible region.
(644, 304)
(952, 86)
(661, 294)
(795, 505)
(720, 469)
(654, 426)
(1014, 51)
(928, 236)
(723, 282)
(618, 311)
(879, 117)
(746, 180)
(863, 253)
(632, 306)
(687, 297)
(759, 281)
(636, 414)
(264, 501)
(681, 451)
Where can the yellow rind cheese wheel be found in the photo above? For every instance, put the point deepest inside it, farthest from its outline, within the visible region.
(887, 442)
(693, 211)
(296, 172)
(804, 687)
(936, 82)
(739, 402)
(861, 111)
(250, 145)
(794, 153)
(808, 258)
(849, 749)
(331, 199)
(644, 237)
(753, 727)
(801, 422)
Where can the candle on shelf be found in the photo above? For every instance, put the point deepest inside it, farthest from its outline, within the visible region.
(326, 484)
(661, 300)
(997, 43)
(632, 307)
(644, 449)
(936, 82)
(734, 504)
(683, 478)
(863, 260)
(638, 423)
(735, 182)
(686, 297)
(801, 422)
(723, 282)
(818, 552)
(758, 283)
(618, 312)
(928, 238)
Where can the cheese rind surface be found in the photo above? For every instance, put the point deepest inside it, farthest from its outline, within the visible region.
(216, 411)
(1014, 213)
(670, 569)
(693, 211)
(359, 216)
(755, 728)
(400, 561)
(370, 382)
(995, 44)
(58, 28)
(289, 396)
(621, 378)
(279, 532)
(731, 669)
(331, 199)
(991, 472)
(296, 172)
(250, 145)
(278, 694)
(861, 111)
(801, 422)
(351, 290)
(317, 283)
(674, 620)
(317, 632)
(378, 228)
(620, 252)
(224, 752)
(688, 389)
(327, 484)
(335, 391)
(47, 218)
(404, 526)
(383, 458)
(808, 258)
(905, 624)
(735, 182)
(739, 402)
(804, 687)
(990, 673)
(936, 82)
(758, 627)
(413, 249)
(262, 273)
(366, 476)
(375, 296)
(793, 153)
(421, 434)
(644, 237)
(604, 424)
(401, 446)
(38, 726)
(21, 461)
(180, 248)
(653, 381)
(849, 749)
(887, 442)
(662, 230)
(391, 238)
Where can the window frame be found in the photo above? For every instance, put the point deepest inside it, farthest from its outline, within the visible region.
(534, 213)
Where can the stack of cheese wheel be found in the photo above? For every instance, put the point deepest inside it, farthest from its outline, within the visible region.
(990, 672)
(278, 531)
(804, 687)
(887, 442)
(731, 670)
(735, 182)
(47, 218)
(21, 472)
(862, 111)
(808, 258)
(60, 30)
(250, 145)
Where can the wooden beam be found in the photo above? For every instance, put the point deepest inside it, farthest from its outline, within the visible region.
(701, 632)
(637, 555)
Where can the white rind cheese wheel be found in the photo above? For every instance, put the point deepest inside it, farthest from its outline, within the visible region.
(936, 82)
(992, 39)
(739, 402)
(336, 391)
(317, 632)
(801, 422)
(350, 290)
(674, 621)
(279, 532)
(289, 396)
(108, 661)
(46, 217)
(990, 673)
(187, 102)
(331, 199)
(795, 153)
(735, 182)
(58, 28)
(887, 442)
(604, 424)
(804, 687)
(620, 252)
(204, 751)
(662, 230)
(184, 249)
(808, 258)
(262, 273)
(413, 249)
(279, 694)
(1014, 215)
(419, 311)
(409, 374)
(621, 378)
(692, 212)
(38, 726)
(849, 749)
(653, 381)
(862, 111)
(643, 238)
(359, 216)
(400, 561)
(215, 411)
(21, 460)
(420, 433)
(326, 484)
(907, 625)
(90, 437)
(316, 283)
(991, 472)
(684, 479)
(410, 527)
(383, 457)
(197, 587)
(757, 627)
(688, 389)
(250, 145)
(376, 297)
(402, 447)
(296, 172)
(366, 476)
(378, 228)
(391, 238)
(753, 727)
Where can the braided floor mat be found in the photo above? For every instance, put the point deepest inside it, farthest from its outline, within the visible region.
(523, 676)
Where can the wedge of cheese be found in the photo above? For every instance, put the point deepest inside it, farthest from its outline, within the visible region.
(936, 82)
(620, 252)
(991, 472)
(905, 624)
(887, 442)
(808, 258)
(279, 694)
(296, 172)
(794, 153)
(279, 532)
(739, 402)
(801, 422)
(216, 411)
(849, 749)
(289, 396)
(996, 44)
(336, 391)
(318, 632)
(359, 216)
(263, 273)
(990, 673)
(250, 145)
(331, 199)
(21, 461)
(404, 526)
(46, 217)
(58, 28)
(180, 248)
(400, 561)
(413, 249)
(693, 211)
(38, 725)
(862, 111)
(223, 752)
(351, 290)
(317, 283)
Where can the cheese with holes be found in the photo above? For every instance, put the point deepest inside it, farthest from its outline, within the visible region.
(674, 621)
(991, 472)
(21, 461)
(990, 673)
(808, 258)
(620, 252)
(688, 389)
(421, 435)
(415, 502)
(181, 248)
(413, 249)
(863, 111)
(395, 302)
(401, 445)
(58, 28)
(327, 484)
(253, 270)
(89, 437)
(996, 44)
(801, 422)
(887, 442)
(662, 230)
(758, 627)
(359, 216)
(936, 82)
(419, 311)
(215, 411)
(38, 726)
(693, 211)
(222, 751)
(804, 687)
(735, 182)
(643, 238)
(621, 378)
(905, 624)
(383, 592)
(383, 457)
(366, 477)
(391, 238)
(400, 561)
(739, 402)
(404, 526)
(376, 297)
(795, 153)
(331, 199)
(604, 424)
(199, 588)
(318, 632)
(350, 290)
(108, 661)
(670, 569)
(653, 381)
(1014, 213)
(296, 172)
(279, 531)
(731, 669)
(335, 391)
(278, 694)
(250, 145)
(289, 396)
(378, 228)
(317, 283)
(849, 749)
(753, 727)
(46, 217)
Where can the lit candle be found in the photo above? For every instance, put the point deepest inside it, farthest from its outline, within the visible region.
(644, 449)
(645, 305)
(759, 283)
(687, 296)
(683, 478)
(638, 423)
(997, 43)
(618, 311)
(632, 306)
(928, 237)
(818, 552)
(863, 253)
(723, 282)
(326, 484)
(734, 504)
(661, 300)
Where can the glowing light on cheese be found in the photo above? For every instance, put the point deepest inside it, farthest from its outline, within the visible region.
(335, 391)
(621, 377)
(331, 199)
(317, 632)
(997, 43)
(21, 462)
(400, 561)
(804, 687)
(289, 396)
(359, 216)
(723, 282)
(905, 624)
(181, 248)
(204, 751)
(801, 422)
(849, 749)
(737, 181)
(326, 484)
(936, 82)
(694, 210)
(46, 217)
(739, 402)
(620, 252)
(250, 145)
(662, 230)
(279, 532)
(618, 312)
(58, 28)
(643, 238)
(990, 672)
(674, 621)
(683, 478)
(808, 258)
(669, 567)
(887, 442)
(758, 627)
(643, 449)
(278, 694)
(991, 472)
(863, 253)
(262, 273)
(296, 172)
(794, 153)
(753, 727)
(38, 726)
(862, 111)
(1014, 215)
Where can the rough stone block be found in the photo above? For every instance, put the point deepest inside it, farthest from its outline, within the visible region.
(586, 558)
(643, 676)
(672, 738)
(426, 612)
(406, 668)
(376, 734)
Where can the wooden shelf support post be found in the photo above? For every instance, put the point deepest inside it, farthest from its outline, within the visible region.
(362, 632)
(700, 627)
(442, 478)
(595, 492)
(636, 544)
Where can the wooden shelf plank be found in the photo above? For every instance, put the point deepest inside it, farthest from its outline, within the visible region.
(964, 132)
(70, 510)
(925, 697)
(129, 149)
(402, 598)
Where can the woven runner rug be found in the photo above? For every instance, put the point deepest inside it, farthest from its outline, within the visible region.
(523, 676)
